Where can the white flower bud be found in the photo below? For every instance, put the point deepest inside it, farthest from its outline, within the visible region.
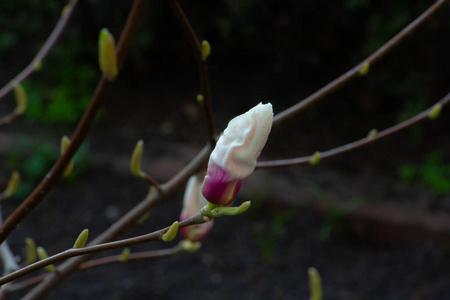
(192, 204)
(236, 152)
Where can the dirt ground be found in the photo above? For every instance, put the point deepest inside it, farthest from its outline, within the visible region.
(300, 217)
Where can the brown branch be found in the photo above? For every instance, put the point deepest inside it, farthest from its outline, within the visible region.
(156, 235)
(354, 145)
(48, 45)
(202, 67)
(354, 73)
(56, 172)
(80, 133)
(124, 223)
(16, 286)
(9, 118)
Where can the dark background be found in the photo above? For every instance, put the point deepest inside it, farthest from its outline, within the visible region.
(277, 51)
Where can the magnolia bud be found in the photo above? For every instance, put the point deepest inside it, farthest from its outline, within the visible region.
(192, 204)
(236, 152)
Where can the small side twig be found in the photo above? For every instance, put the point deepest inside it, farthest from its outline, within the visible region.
(354, 145)
(16, 286)
(81, 131)
(48, 45)
(354, 73)
(202, 67)
(156, 235)
(9, 118)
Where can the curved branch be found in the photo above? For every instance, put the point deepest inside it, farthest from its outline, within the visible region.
(156, 235)
(124, 223)
(354, 145)
(16, 286)
(48, 45)
(202, 67)
(81, 131)
(346, 78)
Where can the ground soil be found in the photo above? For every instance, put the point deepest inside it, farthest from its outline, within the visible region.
(347, 217)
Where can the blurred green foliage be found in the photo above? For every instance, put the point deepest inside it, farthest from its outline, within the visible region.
(34, 158)
(433, 173)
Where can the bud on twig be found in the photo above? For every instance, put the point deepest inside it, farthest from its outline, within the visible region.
(315, 284)
(135, 164)
(125, 254)
(364, 69)
(171, 233)
(206, 50)
(21, 98)
(234, 157)
(315, 158)
(31, 251)
(107, 58)
(193, 202)
(65, 142)
(372, 133)
(435, 111)
(190, 246)
(200, 98)
(13, 183)
(82, 238)
(42, 254)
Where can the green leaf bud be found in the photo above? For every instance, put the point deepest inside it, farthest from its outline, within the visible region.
(13, 183)
(315, 284)
(65, 142)
(364, 69)
(372, 134)
(107, 58)
(200, 98)
(230, 211)
(315, 158)
(82, 238)
(125, 254)
(435, 111)
(171, 233)
(31, 251)
(206, 50)
(190, 246)
(135, 164)
(42, 254)
(21, 98)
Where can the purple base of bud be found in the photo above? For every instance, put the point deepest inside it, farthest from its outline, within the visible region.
(218, 187)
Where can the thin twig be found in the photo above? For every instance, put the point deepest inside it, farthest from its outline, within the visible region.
(153, 182)
(124, 223)
(354, 73)
(156, 235)
(48, 45)
(81, 131)
(9, 118)
(354, 145)
(202, 67)
(16, 286)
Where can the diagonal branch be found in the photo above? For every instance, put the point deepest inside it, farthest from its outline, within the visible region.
(354, 145)
(80, 133)
(354, 73)
(48, 45)
(202, 67)
(156, 235)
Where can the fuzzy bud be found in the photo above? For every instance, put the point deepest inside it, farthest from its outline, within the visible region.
(193, 202)
(236, 152)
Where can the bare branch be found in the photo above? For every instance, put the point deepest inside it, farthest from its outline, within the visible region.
(156, 235)
(81, 131)
(347, 77)
(354, 145)
(202, 67)
(48, 45)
